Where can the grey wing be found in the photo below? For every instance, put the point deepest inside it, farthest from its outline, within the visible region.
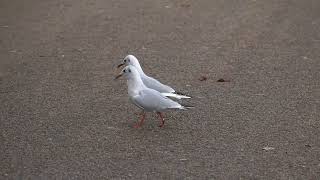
(156, 85)
(152, 100)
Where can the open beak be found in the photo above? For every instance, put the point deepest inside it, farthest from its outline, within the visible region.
(120, 65)
(119, 75)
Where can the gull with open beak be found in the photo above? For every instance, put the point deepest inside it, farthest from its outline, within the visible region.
(149, 100)
(151, 82)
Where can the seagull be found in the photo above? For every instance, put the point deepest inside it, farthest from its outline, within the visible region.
(147, 99)
(151, 82)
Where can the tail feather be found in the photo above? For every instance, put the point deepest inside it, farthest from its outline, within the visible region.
(182, 107)
(185, 107)
(180, 93)
(177, 96)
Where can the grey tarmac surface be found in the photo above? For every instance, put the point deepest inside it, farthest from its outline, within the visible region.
(64, 117)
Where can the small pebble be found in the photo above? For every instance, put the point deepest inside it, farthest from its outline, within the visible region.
(222, 80)
(203, 78)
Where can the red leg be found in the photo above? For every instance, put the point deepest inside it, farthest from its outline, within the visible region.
(139, 124)
(161, 118)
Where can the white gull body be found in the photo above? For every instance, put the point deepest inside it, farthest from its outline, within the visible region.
(150, 82)
(149, 100)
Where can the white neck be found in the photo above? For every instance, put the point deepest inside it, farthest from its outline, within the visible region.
(136, 64)
(135, 84)
(138, 67)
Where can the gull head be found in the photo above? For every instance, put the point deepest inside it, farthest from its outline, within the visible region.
(129, 72)
(129, 60)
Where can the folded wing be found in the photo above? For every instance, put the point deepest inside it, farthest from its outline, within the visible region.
(151, 100)
(156, 85)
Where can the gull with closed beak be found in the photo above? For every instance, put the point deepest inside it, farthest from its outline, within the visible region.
(147, 99)
(151, 82)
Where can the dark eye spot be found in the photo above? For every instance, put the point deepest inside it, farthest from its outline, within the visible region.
(129, 70)
(125, 60)
(128, 60)
(124, 71)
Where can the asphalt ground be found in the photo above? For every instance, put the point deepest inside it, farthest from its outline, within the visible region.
(64, 117)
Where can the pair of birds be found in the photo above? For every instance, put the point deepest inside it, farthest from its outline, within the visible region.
(147, 93)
